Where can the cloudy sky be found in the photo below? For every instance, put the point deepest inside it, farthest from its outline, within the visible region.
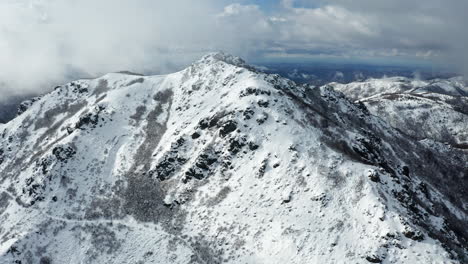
(43, 42)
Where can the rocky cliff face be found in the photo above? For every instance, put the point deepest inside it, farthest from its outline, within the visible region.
(219, 163)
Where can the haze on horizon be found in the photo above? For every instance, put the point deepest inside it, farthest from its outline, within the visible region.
(47, 42)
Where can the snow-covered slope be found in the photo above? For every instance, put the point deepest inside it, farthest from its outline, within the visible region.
(219, 163)
(456, 86)
(430, 115)
(436, 109)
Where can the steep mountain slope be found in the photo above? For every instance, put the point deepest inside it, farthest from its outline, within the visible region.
(436, 109)
(219, 163)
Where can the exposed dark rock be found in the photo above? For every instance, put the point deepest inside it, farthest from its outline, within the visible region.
(248, 113)
(363, 107)
(263, 103)
(253, 146)
(262, 169)
(204, 124)
(262, 118)
(374, 176)
(424, 190)
(405, 171)
(254, 91)
(369, 149)
(373, 259)
(13, 250)
(236, 144)
(64, 153)
(88, 120)
(204, 161)
(44, 164)
(170, 162)
(78, 88)
(180, 141)
(195, 135)
(292, 148)
(193, 173)
(33, 190)
(211, 121)
(228, 127)
(417, 236)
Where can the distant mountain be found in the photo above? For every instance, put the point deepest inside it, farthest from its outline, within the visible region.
(220, 163)
(319, 74)
(456, 86)
(434, 109)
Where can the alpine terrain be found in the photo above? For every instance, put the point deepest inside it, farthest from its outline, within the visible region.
(220, 163)
(435, 109)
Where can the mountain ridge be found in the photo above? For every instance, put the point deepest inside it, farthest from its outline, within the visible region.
(435, 109)
(219, 163)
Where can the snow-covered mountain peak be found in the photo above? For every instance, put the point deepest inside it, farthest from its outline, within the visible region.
(224, 57)
(221, 164)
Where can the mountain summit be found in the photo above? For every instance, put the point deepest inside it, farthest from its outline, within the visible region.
(219, 163)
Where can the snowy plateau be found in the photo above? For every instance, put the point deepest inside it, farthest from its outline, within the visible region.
(221, 163)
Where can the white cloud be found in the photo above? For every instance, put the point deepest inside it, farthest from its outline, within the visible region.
(238, 9)
(44, 42)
